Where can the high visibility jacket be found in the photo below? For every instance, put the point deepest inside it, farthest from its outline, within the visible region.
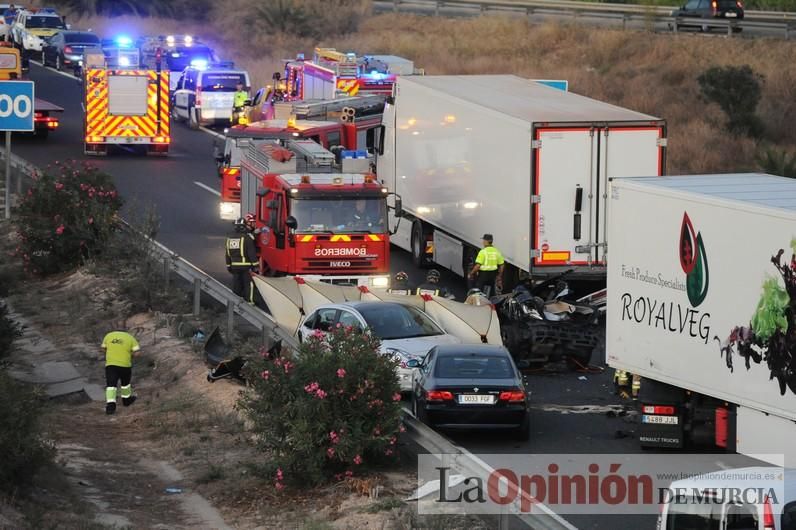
(427, 288)
(241, 251)
(239, 99)
(119, 347)
(489, 258)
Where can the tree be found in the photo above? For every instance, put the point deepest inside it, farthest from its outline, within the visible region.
(777, 162)
(736, 90)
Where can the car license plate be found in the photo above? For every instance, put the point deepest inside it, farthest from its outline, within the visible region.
(731, 15)
(669, 420)
(476, 399)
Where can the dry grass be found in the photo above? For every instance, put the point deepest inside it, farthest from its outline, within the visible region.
(651, 73)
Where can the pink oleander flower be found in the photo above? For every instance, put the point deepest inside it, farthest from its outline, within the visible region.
(279, 486)
(320, 394)
(349, 473)
(59, 186)
(311, 388)
(388, 452)
(396, 396)
(266, 374)
(288, 366)
(357, 460)
(59, 230)
(341, 373)
(334, 437)
(393, 440)
(401, 429)
(330, 452)
(279, 475)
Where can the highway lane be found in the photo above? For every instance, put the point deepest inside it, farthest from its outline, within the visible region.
(190, 226)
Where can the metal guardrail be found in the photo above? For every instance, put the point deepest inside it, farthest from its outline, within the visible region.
(458, 458)
(764, 20)
(463, 462)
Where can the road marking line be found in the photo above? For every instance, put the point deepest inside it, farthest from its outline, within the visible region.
(209, 131)
(208, 188)
(50, 68)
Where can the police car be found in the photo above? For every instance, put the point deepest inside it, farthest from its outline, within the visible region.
(204, 94)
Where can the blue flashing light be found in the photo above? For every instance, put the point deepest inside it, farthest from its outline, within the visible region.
(199, 63)
(347, 154)
(376, 76)
(175, 55)
(124, 41)
(124, 61)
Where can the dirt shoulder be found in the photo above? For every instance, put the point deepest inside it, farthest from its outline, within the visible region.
(179, 457)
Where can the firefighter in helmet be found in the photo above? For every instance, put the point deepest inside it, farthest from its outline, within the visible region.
(431, 285)
(241, 257)
(401, 284)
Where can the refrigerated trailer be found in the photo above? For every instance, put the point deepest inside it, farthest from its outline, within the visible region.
(504, 155)
(702, 305)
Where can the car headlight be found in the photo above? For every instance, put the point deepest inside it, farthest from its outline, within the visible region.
(380, 281)
(400, 356)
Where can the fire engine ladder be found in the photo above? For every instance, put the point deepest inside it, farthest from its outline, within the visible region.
(312, 157)
(344, 65)
(323, 109)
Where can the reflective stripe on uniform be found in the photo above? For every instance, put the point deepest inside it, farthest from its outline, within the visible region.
(489, 258)
(110, 394)
(127, 391)
(237, 245)
(432, 292)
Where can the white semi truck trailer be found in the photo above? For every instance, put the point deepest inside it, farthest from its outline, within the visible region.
(702, 304)
(508, 156)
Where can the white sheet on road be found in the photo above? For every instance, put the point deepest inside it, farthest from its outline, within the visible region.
(290, 300)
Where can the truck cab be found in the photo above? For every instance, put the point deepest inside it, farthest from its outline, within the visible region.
(328, 134)
(316, 218)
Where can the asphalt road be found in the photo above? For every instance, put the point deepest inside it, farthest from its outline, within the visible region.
(541, 16)
(176, 187)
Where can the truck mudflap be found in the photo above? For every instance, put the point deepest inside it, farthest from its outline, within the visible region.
(661, 426)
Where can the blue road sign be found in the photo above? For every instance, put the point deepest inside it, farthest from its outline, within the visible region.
(16, 105)
(554, 83)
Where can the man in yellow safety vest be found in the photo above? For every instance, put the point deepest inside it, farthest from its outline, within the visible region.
(488, 268)
(120, 347)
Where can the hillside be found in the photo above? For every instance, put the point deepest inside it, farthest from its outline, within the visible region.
(652, 73)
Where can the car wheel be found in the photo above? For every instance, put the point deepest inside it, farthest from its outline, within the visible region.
(174, 114)
(58, 62)
(523, 432)
(193, 121)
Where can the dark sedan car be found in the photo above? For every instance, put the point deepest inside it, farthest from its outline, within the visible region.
(691, 12)
(66, 48)
(471, 386)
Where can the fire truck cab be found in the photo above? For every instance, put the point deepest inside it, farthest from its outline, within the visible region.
(331, 135)
(319, 216)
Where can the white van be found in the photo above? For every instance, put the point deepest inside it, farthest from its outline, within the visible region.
(204, 95)
(697, 514)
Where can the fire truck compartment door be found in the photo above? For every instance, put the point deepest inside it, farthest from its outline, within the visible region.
(127, 95)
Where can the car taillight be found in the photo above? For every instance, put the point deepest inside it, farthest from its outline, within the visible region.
(439, 395)
(67, 49)
(512, 396)
(658, 409)
(768, 515)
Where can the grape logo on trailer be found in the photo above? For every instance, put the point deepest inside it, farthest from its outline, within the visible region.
(694, 262)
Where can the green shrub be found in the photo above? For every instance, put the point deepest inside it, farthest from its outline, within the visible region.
(66, 217)
(777, 162)
(9, 332)
(737, 90)
(324, 415)
(21, 443)
(310, 18)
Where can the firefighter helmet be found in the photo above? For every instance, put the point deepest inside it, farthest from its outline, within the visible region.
(401, 277)
(433, 276)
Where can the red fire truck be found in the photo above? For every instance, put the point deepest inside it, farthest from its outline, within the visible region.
(356, 130)
(319, 216)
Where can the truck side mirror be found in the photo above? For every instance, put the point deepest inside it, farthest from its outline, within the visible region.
(380, 144)
(399, 207)
(291, 222)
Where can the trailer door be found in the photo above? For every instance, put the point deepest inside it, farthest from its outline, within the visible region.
(625, 152)
(564, 213)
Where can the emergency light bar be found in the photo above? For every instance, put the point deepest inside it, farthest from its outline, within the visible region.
(124, 41)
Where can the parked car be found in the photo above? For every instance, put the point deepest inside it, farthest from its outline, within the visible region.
(406, 332)
(692, 512)
(204, 95)
(691, 12)
(67, 48)
(471, 386)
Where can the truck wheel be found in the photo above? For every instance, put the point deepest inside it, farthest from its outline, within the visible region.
(419, 245)
(193, 119)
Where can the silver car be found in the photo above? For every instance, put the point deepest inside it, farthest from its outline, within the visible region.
(405, 331)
